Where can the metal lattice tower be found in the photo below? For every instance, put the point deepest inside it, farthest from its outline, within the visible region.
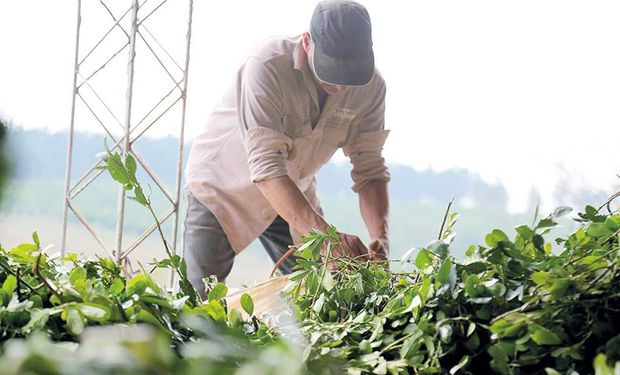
(132, 124)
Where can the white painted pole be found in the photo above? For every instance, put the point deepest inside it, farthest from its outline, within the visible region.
(126, 144)
(76, 67)
(175, 224)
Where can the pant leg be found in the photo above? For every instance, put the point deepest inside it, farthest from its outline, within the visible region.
(276, 240)
(206, 248)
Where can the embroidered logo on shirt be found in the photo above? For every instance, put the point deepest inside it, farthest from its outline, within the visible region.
(344, 113)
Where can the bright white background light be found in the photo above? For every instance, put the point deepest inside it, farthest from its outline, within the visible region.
(524, 93)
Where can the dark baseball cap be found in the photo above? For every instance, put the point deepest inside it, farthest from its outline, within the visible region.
(341, 33)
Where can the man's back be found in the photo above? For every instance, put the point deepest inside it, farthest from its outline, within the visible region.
(269, 124)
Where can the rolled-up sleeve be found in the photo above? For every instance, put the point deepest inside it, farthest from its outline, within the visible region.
(259, 107)
(365, 151)
(267, 150)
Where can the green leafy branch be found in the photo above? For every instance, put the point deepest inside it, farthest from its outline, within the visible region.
(124, 172)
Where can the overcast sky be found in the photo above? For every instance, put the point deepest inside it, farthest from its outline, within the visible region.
(521, 92)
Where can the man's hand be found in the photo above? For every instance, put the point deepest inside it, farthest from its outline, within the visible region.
(350, 246)
(379, 249)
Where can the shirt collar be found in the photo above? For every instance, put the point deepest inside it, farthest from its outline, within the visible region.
(300, 63)
(299, 56)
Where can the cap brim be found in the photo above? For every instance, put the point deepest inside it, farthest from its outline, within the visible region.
(343, 72)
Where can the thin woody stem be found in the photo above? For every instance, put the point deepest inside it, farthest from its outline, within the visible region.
(445, 218)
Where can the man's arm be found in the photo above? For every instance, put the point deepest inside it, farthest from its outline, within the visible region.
(293, 206)
(374, 207)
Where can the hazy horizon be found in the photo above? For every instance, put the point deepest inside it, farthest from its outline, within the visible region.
(565, 183)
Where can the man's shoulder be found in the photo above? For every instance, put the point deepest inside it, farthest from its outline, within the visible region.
(377, 82)
(378, 78)
(277, 48)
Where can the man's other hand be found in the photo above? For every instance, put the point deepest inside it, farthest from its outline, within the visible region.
(350, 246)
(379, 249)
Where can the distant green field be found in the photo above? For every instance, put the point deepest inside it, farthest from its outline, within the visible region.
(412, 223)
(418, 198)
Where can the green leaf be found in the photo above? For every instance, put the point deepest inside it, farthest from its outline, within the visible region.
(312, 282)
(216, 310)
(416, 301)
(481, 300)
(543, 336)
(559, 287)
(598, 230)
(540, 277)
(137, 285)
(75, 322)
(430, 344)
(444, 272)
(10, 284)
(551, 371)
(94, 312)
(422, 260)
(470, 329)
(495, 237)
(318, 304)
(305, 251)
(219, 291)
(470, 250)
(601, 367)
(497, 289)
(440, 248)
(38, 319)
(146, 316)
(525, 232)
(247, 304)
(472, 286)
(24, 250)
(426, 290)
(328, 281)
(546, 223)
(235, 318)
(140, 197)
(70, 257)
(500, 326)
(381, 368)
(116, 287)
(539, 243)
(445, 333)
(35, 238)
(37, 301)
(462, 363)
(117, 169)
(4, 298)
(132, 166)
(476, 267)
(473, 342)
(561, 211)
(331, 231)
(77, 273)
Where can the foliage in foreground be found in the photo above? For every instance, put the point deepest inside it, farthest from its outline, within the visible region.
(125, 325)
(512, 307)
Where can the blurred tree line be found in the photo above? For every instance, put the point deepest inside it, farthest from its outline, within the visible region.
(4, 158)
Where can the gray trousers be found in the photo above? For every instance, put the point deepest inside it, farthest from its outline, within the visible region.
(207, 250)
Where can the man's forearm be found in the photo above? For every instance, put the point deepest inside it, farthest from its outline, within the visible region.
(291, 204)
(374, 207)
